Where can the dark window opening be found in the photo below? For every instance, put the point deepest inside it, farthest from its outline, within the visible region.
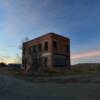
(46, 46)
(35, 64)
(40, 47)
(34, 48)
(45, 61)
(29, 50)
(55, 45)
(67, 48)
(23, 50)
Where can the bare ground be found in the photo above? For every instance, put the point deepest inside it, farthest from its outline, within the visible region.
(15, 89)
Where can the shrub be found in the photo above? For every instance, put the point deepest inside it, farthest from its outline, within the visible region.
(2, 64)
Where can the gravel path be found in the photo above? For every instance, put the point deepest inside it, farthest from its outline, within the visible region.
(14, 89)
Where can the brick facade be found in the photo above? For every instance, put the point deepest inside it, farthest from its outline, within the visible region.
(50, 51)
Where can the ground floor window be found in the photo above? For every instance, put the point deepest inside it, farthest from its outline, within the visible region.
(59, 61)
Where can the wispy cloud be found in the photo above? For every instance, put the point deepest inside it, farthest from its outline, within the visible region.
(44, 3)
(19, 15)
(6, 59)
(86, 55)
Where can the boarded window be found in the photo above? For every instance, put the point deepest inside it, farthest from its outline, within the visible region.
(59, 61)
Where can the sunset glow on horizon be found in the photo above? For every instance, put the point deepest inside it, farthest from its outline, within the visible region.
(86, 54)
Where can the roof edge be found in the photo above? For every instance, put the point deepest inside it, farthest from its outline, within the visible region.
(50, 33)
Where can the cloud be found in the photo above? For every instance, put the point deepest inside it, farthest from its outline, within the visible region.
(19, 15)
(44, 3)
(6, 59)
(86, 55)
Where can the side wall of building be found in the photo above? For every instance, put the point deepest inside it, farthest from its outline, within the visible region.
(60, 51)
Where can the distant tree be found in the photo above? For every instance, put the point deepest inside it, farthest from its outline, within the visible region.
(2, 64)
(24, 40)
(18, 58)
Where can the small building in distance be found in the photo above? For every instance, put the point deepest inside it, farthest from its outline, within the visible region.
(14, 66)
(50, 51)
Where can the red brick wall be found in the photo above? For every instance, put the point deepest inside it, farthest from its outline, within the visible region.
(41, 40)
(50, 38)
(62, 44)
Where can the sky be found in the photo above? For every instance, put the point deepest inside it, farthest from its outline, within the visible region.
(77, 19)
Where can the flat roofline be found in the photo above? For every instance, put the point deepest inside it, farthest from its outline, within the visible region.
(50, 33)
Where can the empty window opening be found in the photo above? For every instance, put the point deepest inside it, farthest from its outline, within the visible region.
(67, 48)
(40, 47)
(55, 45)
(34, 48)
(46, 46)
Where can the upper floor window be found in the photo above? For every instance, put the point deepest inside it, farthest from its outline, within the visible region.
(55, 45)
(67, 48)
(46, 46)
(34, 48)
(40, 47)
(23, 50)
(29, 50)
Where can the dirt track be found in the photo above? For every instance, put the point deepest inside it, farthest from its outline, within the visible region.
(14, 89)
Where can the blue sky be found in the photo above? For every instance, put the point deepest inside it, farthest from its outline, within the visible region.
(77, 19)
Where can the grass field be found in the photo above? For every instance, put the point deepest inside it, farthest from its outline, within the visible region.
(77, 73)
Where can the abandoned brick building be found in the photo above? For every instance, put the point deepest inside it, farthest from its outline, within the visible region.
(50, 51)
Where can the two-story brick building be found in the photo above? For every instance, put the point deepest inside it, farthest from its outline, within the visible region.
(50, 51)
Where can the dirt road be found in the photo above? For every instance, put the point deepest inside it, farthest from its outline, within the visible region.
(15, 89)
